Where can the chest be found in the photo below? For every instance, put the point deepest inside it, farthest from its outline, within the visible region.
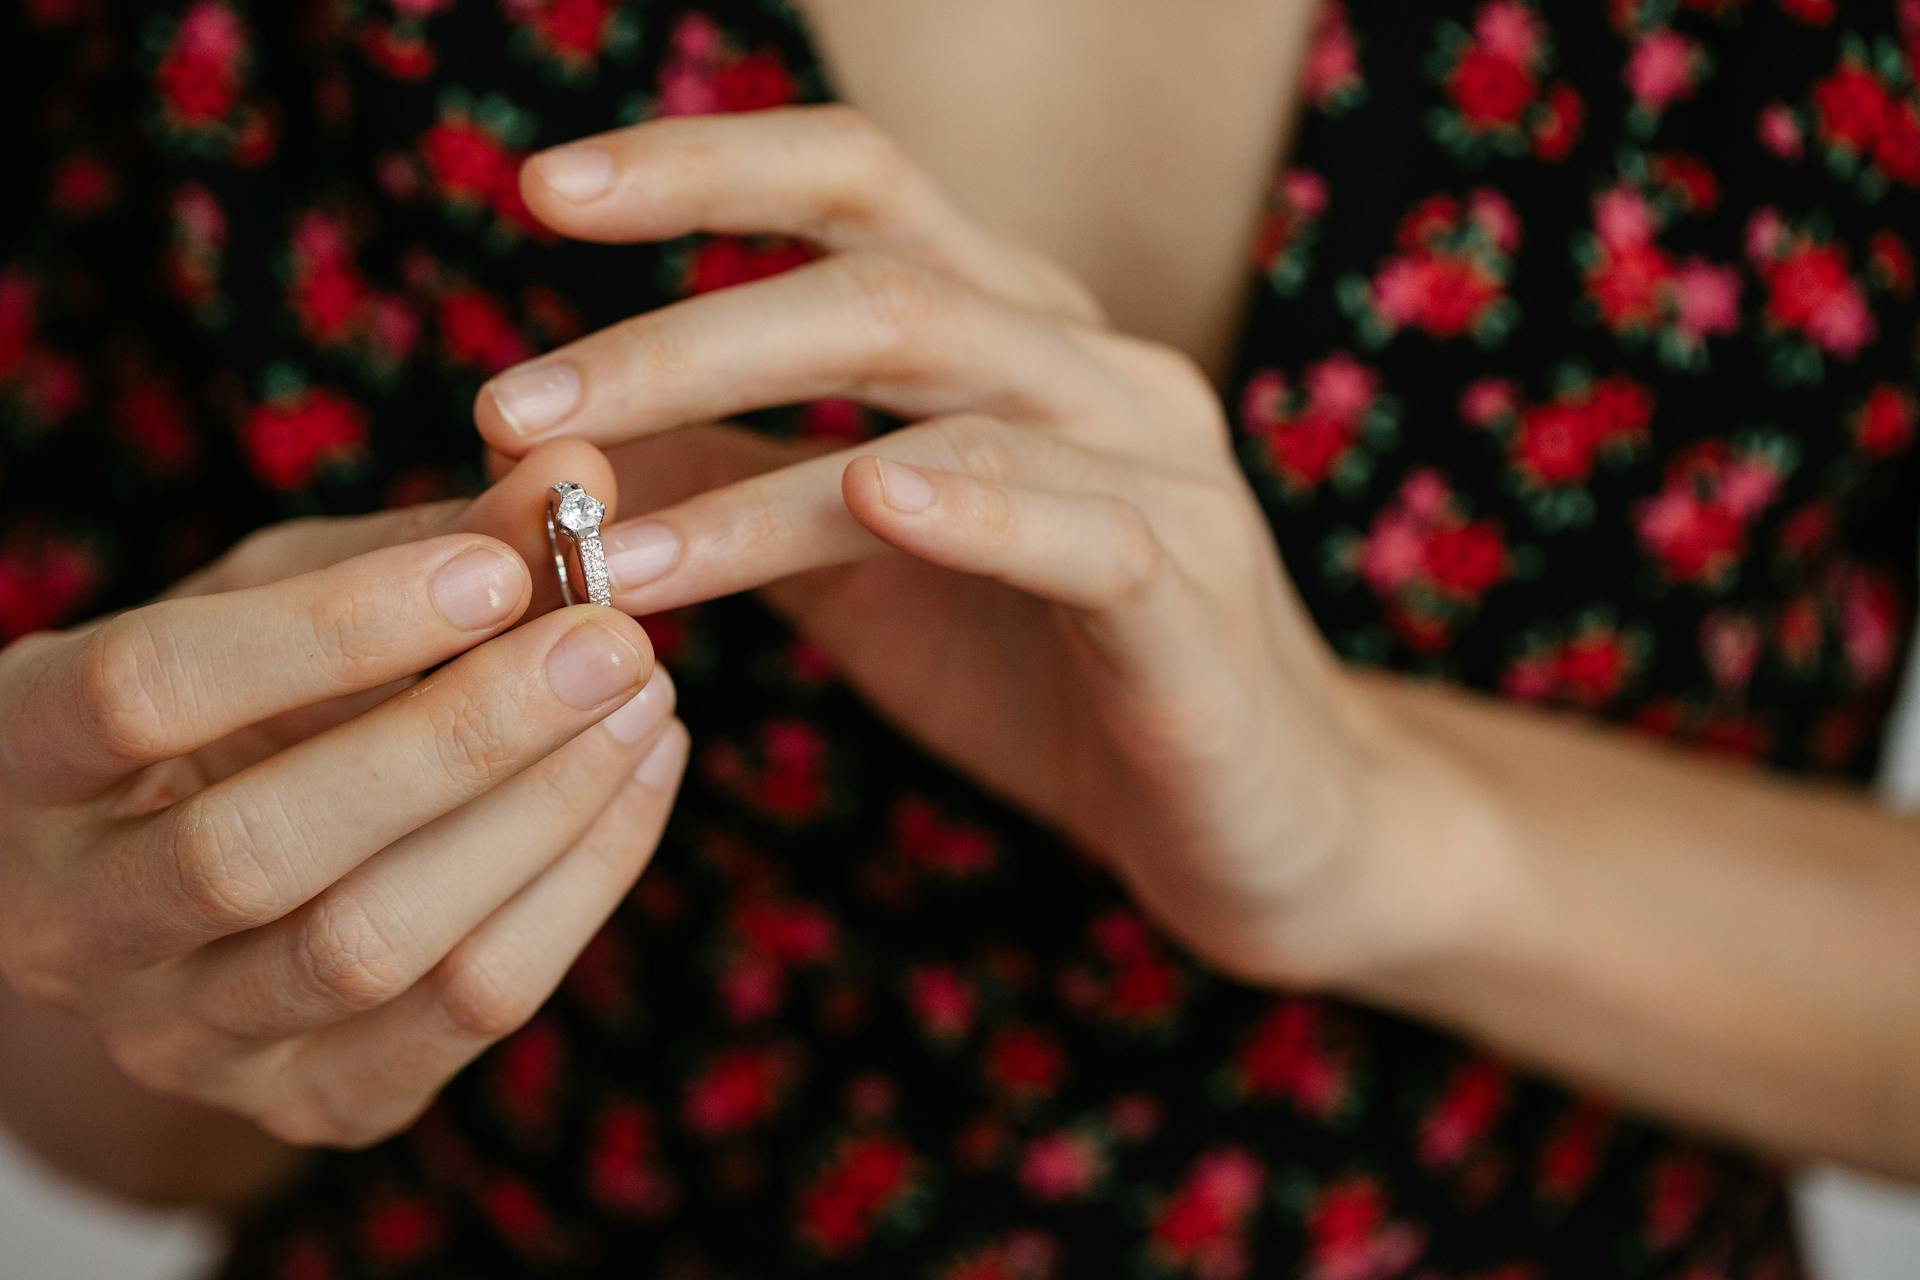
(1133, 141)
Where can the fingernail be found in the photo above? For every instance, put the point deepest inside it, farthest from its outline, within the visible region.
(579, 173)
(591, 664)
(639, 714)
(902, 487)
(640, 552)
(477, 589)
(663, 761)
(535, 399)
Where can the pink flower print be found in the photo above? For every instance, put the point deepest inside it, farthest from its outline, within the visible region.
(1508, 29)
(1063, 1165)
(1707, 300)
(1661, 70)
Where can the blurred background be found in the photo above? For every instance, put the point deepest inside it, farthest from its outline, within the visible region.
(1856, 1228)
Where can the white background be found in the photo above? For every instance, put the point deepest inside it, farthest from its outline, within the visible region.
(1856, 1229)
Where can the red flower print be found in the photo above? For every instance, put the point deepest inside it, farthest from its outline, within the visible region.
(1449, 279)
(1426, 561)
(1636, 286)
(1350, 1236)
(288, 440)
(704, 73)
(1490, 88)
(476, 330)
(466, 161)
(1681, 1185)
(1465, 1112)
(942, 1002)
(400, 51)
(1312, 435)
(738, 1089)
(155, 421)
(1291, 1055)
(526, 1073)
(1466, 560)
(1883, 425)
(927, 840)
(724, 261)
(1572, 1153)
(624, 1172)
(1557, 125)
(515, 1210)
(1202, 1227)
(1891, 263)
(474, 160)
(199, 77)
(1588, 669)
(1696, 526)
(1025, 1063)
(1552, 447)
(1850, 107)
(400, 1229)
(574, 33)
(790, 781)
(1287, 228)
(866, 1179)
(1493, 79)
(42, 584)
(19, 322)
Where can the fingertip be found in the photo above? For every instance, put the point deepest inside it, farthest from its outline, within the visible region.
(661, 767)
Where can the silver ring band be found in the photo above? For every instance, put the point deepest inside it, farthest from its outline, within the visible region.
(575, 514)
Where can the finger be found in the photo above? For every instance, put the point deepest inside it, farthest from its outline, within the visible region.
(823, 173)
(373, 1074)
(1090, 551)
(858, 326)
(513, 510)
(163, 680)
(246, 851)
(782, 522)
(384, 924)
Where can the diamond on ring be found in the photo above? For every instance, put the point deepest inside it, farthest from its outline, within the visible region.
(575, 514)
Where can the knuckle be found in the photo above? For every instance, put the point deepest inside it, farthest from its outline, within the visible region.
(485, 993)
(120, 688)
(468, 738)
(980, 446)
(314, 1120)
(37, 962)
(352, 647)
(218, 869)
(346, 957)
(1139, 557)
(899, 299)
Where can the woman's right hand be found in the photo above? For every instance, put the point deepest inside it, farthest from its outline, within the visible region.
(278, 871)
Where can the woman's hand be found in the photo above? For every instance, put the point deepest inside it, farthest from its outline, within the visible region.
(1056, 578)
(280, 872)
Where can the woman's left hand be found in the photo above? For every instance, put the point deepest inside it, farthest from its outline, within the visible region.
(1056, 578)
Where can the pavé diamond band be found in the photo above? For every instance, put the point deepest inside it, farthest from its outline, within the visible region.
(575, 514)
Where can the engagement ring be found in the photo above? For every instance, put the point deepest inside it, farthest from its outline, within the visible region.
(574, 513)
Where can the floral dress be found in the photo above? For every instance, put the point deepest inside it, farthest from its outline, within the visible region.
(1601, 396)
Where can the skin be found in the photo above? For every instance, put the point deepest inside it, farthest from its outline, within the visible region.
(230, 819)
(1080, 605)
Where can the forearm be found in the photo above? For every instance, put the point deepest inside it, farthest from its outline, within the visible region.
(1734, 950)
(63, 1098)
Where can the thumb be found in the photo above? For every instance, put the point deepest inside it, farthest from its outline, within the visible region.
(512, 510)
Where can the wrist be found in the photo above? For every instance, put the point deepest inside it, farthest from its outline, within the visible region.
(1428, 873)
